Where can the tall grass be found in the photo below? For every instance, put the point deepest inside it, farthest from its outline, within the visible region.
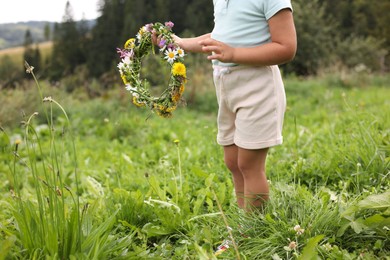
(49, 221)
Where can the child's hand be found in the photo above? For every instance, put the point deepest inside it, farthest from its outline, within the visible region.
(155, 38)
(219, 50)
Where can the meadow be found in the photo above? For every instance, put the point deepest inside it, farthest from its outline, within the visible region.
(99, 178)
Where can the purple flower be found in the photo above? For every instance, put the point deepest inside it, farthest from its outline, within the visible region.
(171, 46)
(122, 53)
(162, 43)
(169, 24)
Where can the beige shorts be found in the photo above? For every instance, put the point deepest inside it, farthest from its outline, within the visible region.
(252, 103)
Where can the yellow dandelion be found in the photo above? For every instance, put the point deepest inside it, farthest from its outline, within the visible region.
(124, 79)
(164, 114)
(179, 69)
(176, 97)
(138, 104)
(130, 43)
(170, 109)
(181, 90)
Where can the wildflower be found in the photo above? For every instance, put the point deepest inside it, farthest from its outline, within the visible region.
(29, 69)
(126, 60)
(130, 88)
(179, 69)
(299, 230)
(149, 27)
(124, 79)
(170, 109)
(18, 141)
(181, 90)
(327, 247)
(121, 52)
(130, 43)
(169, 24)
(176, 96)
(180, 52)
(292, 245)
(137, 103)
(170, 55)
(162, 43)
(141, 33)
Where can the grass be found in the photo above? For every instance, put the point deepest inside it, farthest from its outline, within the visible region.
(136, 186)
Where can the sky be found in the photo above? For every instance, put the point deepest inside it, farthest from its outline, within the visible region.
(12, 11)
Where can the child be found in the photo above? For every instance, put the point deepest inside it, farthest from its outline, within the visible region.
(250, 38)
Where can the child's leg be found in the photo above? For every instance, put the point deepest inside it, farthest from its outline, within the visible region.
(252, 167)
(231, 161)
(248, 170)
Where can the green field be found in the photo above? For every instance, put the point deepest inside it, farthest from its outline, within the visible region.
(102, 179)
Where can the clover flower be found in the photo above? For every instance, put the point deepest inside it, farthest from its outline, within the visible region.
(298, 229)
(292, 245)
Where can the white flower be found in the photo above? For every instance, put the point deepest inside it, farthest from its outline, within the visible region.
(292, 245)
(141, 33)
(121, 66)
(299, 230)
(180, 52)
(130, 88)
(170, 55)
(126, 60)
(327, 246)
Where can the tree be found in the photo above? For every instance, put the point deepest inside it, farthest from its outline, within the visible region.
(47, 32)
(67, 46)
(315, 35)
(31, 55)
(106, 37)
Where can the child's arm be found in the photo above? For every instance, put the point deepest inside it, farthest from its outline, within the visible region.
(191, 44)
(280, 50)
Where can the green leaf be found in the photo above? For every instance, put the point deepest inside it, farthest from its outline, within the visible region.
(210, 180)
(199, 172)
(376, 201)
(310, 250)
(342, 229)
(153, 230)
(349, 213)
(358, 225)
(374, 221)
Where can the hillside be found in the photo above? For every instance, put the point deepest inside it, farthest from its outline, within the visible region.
(12, 34)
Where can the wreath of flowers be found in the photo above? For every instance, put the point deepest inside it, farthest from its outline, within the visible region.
(131, 61)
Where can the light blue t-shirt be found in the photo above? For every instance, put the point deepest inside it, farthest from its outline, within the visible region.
(244, 23)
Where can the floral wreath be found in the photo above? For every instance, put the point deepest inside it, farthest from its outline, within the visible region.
(130, 66)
